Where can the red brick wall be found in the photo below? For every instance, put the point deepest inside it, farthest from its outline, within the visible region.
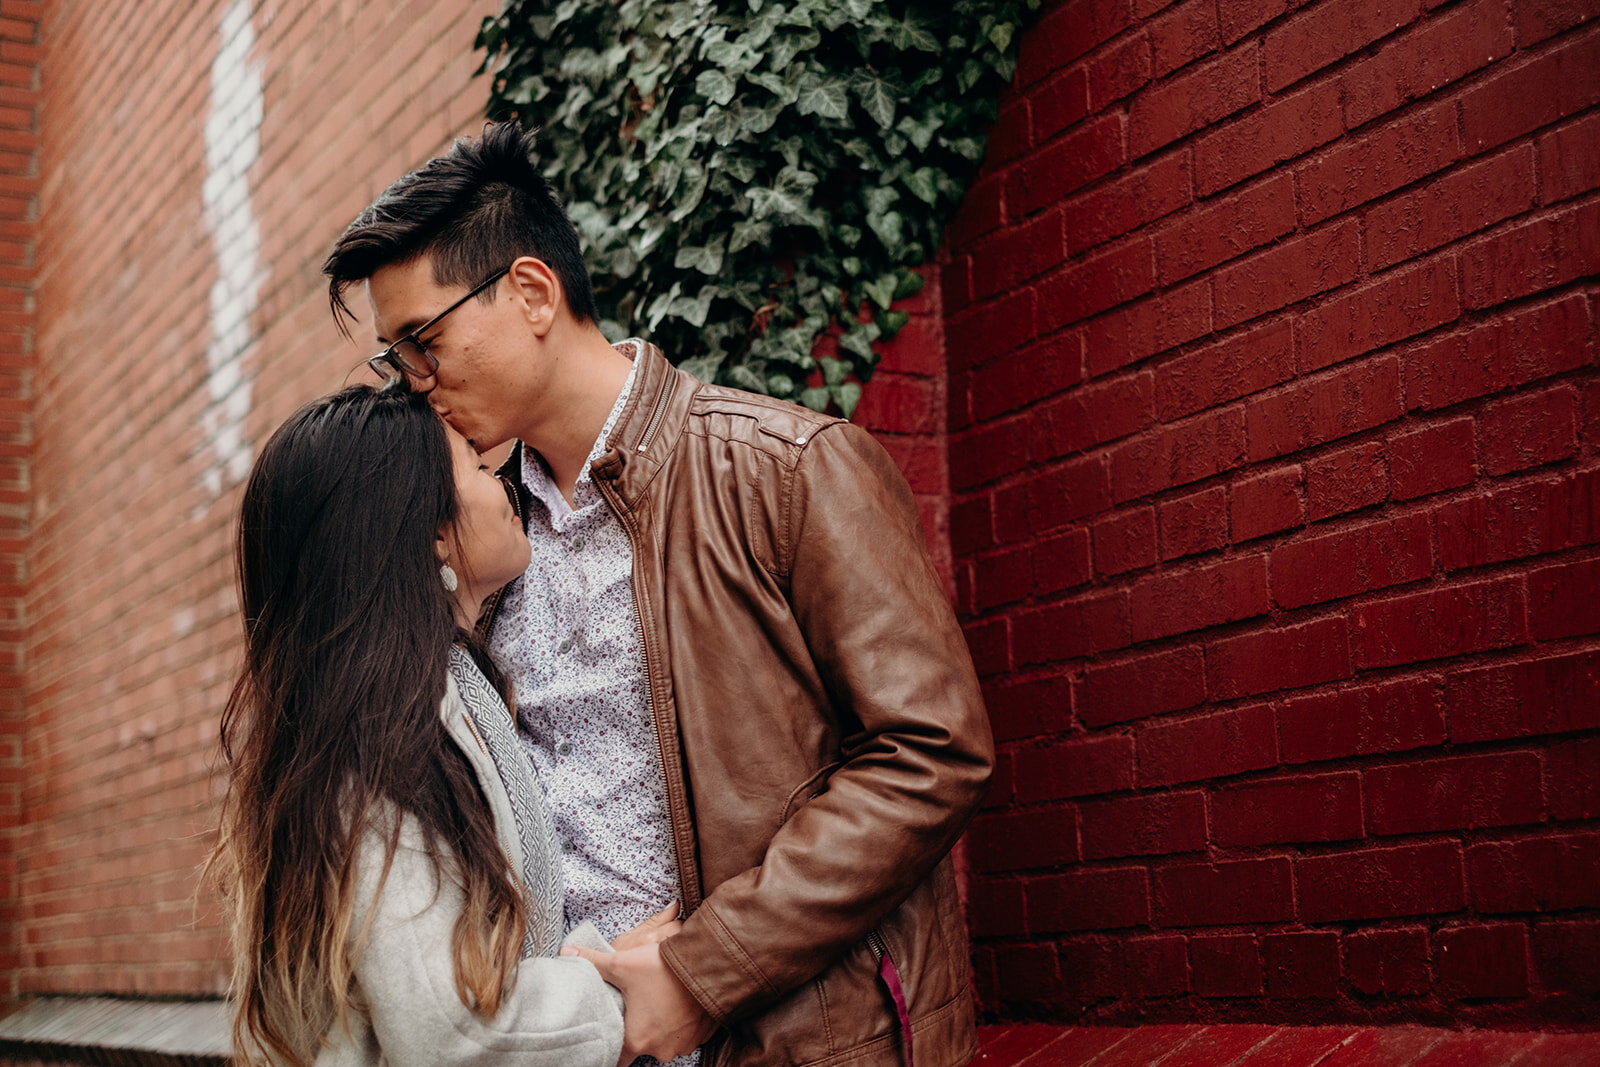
(19, 54)
(1273, 449)
(132, 630)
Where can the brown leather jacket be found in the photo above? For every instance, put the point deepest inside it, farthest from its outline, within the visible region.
(822, 735)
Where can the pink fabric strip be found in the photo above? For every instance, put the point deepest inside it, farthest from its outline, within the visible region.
(891, 981)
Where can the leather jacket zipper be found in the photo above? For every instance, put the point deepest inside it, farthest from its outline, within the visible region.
(655, 416)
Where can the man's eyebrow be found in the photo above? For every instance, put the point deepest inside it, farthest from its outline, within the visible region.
(407, 328)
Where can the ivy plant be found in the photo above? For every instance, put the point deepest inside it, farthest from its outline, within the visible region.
(748, 176)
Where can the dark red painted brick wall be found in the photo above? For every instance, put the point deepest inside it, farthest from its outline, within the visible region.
(1274, 417)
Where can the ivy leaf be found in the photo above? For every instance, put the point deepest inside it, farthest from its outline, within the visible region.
(694, 309)
(816, 398)
(876, 95)
(702, 367)
(891, 322)
(911, 34)
(747, 232)
(1000, 36)
(824, 97)
(881, 290)
(847, 396)
(833, 371)
(707, 259)
(692, 193)
(715, 86)
(923, 182)
(786, 46)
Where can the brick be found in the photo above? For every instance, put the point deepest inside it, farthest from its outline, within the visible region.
(1362, 168)
(1019, 840)
(1282, 129)
(1010, 136)
(1432, 459)
(1527, 430)
(1178, 453)
(1572, 789)
(1380, 883)
(1388, 962)
(1563, 601)
(1093, 414)
(1051, 498)
(1155, 824)
(1552, 694)
(1538, 19)
(1347, 400)
(982, 211)
(1400, 304)
(1194, 523)
(1462, 202)
(1324, 807)
(1137, 688)
(996, 908)
(1193, 100)
(993, 329)
(1061, 562)
(1018, 254)
(1082, 626)
(1020, 378)
(1028, 708)
(1103, 280)
(1289, 271)
(1321, 35)
(1591, 412)
(1227, 965)
(1002, 578)
(1223, 893)
(1089, 969)
(987, 453)
(1539, 874)
(1157, 966)
(1089, 899)
(1058, 103)
(1282, 657)
(1510, 350)
(971, 526)
(1091, 151)
(1456, 793)
(1027, 972)
(1210, 746)
(1482, 961)
(1436, 53)
(1567, 160)
(1129, 201)
(1085, 766)
(1214, 374)
(1525, 519)
(1437, 623)
(1118, 71)
(1351, 560)
(1125, 542)
(1134, 331)
(1067, 32)
(1266, 503)
(1525, 95)
(1183, 33)
(1179, 601)
(1532, 257)
(1567, 956)
(990, 645)
(1225, 229)
(1346, 479)
(1303, 964)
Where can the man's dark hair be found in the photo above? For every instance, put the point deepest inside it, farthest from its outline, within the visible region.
(473, 211)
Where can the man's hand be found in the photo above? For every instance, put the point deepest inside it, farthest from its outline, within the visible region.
(660, 926)
(659, 1017)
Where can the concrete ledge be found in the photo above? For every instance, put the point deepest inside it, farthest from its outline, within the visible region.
(118, 1032)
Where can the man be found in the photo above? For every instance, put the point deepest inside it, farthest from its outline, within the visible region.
(739, 678)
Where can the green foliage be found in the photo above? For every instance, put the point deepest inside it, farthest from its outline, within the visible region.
(747, 175)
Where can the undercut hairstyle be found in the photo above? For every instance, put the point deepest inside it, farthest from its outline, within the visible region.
(472, 212)
(333, 730)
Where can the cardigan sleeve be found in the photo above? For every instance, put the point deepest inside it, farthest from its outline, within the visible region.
(560, 1013)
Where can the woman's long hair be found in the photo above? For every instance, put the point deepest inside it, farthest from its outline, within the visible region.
(333, 727)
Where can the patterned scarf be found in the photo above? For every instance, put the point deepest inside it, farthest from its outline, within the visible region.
(541, 870)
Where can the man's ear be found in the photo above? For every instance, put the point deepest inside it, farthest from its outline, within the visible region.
(537, 291)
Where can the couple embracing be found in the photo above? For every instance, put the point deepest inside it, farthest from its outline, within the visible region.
(651, 743)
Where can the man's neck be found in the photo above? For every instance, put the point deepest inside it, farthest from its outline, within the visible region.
(589, 378)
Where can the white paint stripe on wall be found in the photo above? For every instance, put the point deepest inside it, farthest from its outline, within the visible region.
(233, 143)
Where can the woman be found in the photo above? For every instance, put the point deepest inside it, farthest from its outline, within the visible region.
(391, 863)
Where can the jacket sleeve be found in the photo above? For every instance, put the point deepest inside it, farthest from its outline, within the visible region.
(560, 1013)
(916, 752)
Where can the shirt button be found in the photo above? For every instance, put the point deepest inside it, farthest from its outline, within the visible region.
(565, 646)
(566, 846)
(577, 544)
(564, 748)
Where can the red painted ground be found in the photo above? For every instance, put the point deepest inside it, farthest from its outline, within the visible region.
(1034, 1045)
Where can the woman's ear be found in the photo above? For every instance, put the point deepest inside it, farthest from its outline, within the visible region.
(537, 291)
(441, 547)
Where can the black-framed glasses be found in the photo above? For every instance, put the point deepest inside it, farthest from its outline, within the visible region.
(409, 356)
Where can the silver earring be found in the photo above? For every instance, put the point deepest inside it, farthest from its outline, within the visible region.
(448, 576)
